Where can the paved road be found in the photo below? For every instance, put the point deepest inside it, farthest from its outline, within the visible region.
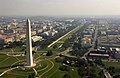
(93, 44)
(47, 70)
(65, 53)
(4, 59)
(107, 74)
(7, 71)
(95, 37)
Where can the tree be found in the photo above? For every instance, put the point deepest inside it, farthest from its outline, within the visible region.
(32, 75)
(15, 44)
(64, 68)
(99, 62)
(111, 70)
(55, 46)
(49, 53)
(116, 76)
(81, 71)
(66, 76)
(101, 74)
(59, 60)
(80, 63)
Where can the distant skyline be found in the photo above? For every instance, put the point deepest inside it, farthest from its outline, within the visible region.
(59, 7)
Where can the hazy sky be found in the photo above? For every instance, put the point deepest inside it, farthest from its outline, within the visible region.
(59, 7)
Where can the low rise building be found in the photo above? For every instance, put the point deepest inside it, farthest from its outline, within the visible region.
(98, 54)
(37, 38)
(86, 42)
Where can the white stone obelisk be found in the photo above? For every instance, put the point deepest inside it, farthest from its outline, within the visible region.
(29, 45)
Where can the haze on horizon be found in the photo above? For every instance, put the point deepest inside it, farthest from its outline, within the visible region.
(59, 7)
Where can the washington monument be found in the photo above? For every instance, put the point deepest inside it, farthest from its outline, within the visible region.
(29, 45)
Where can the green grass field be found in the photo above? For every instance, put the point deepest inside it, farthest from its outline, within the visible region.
(7, 61)
(13, 76)
(114, 64)
(59, 74)
(62, 39)
(16, 49)
(47, 67)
